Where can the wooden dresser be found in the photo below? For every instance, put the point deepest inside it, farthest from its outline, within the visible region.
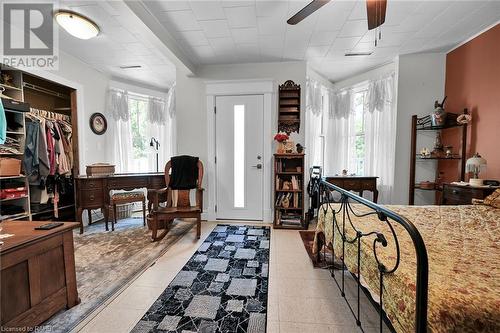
(463, 195)
(356, 183)
(38, 276)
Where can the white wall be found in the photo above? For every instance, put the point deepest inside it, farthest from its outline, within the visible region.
(420, 82)
(191, 102)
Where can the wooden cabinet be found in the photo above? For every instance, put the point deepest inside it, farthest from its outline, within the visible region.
(463, 195)
(37, 273)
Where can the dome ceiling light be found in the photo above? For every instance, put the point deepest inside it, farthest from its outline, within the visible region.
(76, 25)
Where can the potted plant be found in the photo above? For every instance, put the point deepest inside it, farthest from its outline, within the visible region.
(281, 138)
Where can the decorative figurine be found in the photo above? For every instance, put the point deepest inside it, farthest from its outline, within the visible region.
(424, 152)
(464, 118)
(438, 117)
(448, 152)
(300, 148)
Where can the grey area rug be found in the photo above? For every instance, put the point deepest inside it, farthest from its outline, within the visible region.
(107, 261)
(222, 288)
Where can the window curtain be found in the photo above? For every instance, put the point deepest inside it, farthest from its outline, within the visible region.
(121, 130)
(162, 126)
(380, 135)
(313, 122)
(340, 134)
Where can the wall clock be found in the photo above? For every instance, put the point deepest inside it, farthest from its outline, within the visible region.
(98, 123)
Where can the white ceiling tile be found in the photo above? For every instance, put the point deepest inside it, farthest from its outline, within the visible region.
(245, 35)
(222, 46)
(363, 47)
(393, 39)
(231, 3)
(241, 17)
(359, 11)
(207, 10)
(332, 16)
(317, 51)
(215, 28)
(194, 38)
(271, 42)
(354, 28)
(204, 51)
(411, 23)
(137, 49)
(271, 8)
(165, 6)
(345, 43)
(120, 35)
(270, 25)
(182, 20)
(397, 11)
(323, 38)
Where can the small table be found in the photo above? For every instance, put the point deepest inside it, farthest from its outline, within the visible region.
(356, 183)
(38, 273)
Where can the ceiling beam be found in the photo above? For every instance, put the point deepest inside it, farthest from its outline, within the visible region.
(163, 39)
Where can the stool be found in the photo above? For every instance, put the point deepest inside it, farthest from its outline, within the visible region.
(124, 198)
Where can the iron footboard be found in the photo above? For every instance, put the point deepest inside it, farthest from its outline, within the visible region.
(339, 201)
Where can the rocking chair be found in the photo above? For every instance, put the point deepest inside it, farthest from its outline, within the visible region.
(177, 205)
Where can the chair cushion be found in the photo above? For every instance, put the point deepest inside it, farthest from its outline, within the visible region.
(132, 195)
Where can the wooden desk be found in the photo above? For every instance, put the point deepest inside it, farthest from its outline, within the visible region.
(92, 192)
(37, 273)
(356, 183)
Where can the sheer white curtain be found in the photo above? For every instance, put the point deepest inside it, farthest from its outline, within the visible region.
(340, 134)
(121, 131)
(313, 122)
(380, 135)
(162, 126)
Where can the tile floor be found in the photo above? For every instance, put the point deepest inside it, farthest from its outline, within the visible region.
(301, 298)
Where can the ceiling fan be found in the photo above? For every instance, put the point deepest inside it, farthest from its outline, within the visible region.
(375, 11)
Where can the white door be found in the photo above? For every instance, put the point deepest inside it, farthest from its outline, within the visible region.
(239, 165)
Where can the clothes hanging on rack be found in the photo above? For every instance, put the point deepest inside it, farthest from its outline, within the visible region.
(48, 156)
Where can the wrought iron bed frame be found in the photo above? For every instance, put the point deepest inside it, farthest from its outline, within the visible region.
(326, 199)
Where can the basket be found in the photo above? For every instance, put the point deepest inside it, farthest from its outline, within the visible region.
(122, 211)
(10, 167)
(100, 169)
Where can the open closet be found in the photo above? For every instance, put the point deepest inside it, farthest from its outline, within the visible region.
(39, 157)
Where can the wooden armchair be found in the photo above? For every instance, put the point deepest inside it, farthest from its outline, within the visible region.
(177, 205)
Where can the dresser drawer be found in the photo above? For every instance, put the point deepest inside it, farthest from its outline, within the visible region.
(128, 183)
(91, 184)
(368, 185)
(454, 195)
(336, 181)
(90, 198)
(352, 184)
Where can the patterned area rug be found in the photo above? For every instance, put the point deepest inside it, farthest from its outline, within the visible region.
(222, 288)
(106, 261)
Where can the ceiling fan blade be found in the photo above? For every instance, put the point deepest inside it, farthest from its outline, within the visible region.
(376, 12)
(306, 11)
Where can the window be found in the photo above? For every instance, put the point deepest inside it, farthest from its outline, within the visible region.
(239, 156)
(138, 107)
(359, 133)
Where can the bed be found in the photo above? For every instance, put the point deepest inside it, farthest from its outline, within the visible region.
(462, 246)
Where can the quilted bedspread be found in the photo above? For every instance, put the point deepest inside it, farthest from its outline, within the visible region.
(463, 246)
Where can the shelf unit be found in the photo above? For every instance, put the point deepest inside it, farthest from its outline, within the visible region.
(289, 107)
(55, 98)
(289, 169)
(424, 124)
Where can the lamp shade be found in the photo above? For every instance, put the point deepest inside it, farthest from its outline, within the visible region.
(475, 164)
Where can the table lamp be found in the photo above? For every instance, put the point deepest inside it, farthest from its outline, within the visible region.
(475, 164)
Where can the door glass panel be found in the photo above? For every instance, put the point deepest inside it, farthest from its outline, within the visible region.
(239, 156)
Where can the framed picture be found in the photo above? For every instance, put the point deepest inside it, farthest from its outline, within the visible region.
(98, 123)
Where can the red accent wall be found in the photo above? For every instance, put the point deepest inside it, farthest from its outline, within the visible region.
(473, 82)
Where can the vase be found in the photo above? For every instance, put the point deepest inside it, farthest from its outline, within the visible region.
(281, 147)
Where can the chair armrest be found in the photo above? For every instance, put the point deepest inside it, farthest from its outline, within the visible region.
(155, 194)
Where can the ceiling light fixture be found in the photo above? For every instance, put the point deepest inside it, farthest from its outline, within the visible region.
(76, 25)
(356, 54)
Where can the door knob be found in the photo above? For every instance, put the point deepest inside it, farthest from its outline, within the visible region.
(258, 166)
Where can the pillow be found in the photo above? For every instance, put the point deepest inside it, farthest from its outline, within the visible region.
(492, 200)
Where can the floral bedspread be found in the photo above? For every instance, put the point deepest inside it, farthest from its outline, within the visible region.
(463, 246)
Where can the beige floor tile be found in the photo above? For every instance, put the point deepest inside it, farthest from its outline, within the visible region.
(156, 276)
(114, 319)
(289, 327)
(300, 271)
(137, 297)
(273, 326)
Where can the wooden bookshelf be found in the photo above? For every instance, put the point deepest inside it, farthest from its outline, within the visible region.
(289, 191)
